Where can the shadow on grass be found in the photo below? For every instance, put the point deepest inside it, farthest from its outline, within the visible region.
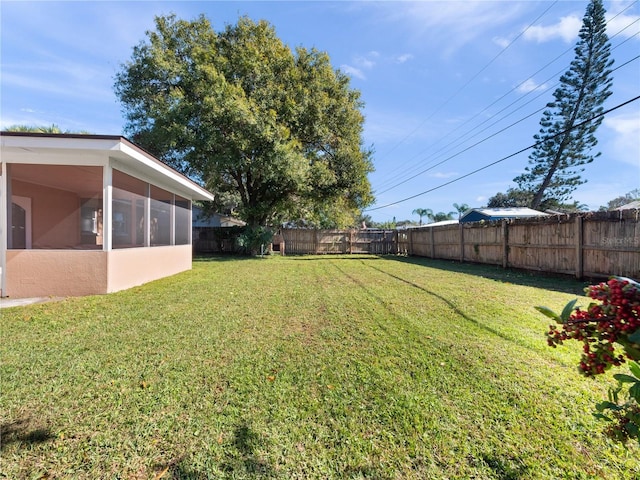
(242, 459)
(21, 432)
(364, 472)
(336, 257)
(177, 470)
(507, 469)
(225, 257)
(547, 281)
(445, 300)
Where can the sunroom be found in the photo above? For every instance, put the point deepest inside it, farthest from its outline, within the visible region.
(89, 214)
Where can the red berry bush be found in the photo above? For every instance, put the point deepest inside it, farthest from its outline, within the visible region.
(609, 329)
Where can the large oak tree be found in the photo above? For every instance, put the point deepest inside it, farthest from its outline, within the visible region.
(279, 130)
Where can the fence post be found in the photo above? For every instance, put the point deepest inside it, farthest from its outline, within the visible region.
(505, 243)
(316, 241)
(410, 230)
(432, 236)
(579, 252)
(461, 230)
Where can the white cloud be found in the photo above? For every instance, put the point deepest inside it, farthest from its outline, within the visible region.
(443, 174)
(364, 62)
(353, 71)
(625, 143)
(566, 29)
(502, 42)
(626, 25)
(529, 85)
(405, 57)
(449, 26)
(367, 61)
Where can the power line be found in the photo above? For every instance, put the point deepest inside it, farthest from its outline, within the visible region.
(466, 149)
(507, 157)
(461, 139)
(457, 92)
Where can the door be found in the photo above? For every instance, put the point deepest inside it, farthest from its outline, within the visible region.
(20, 222)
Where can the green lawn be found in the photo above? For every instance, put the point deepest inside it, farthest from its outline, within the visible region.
(303, 367)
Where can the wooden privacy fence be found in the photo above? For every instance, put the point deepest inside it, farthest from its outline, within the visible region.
(305, 241)
(596, 244)
(208, 240)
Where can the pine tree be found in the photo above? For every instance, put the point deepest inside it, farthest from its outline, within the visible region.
(566, 137)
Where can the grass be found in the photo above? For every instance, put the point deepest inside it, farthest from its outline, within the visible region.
(303, 367)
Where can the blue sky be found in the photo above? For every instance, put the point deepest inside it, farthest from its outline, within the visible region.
(442, 82)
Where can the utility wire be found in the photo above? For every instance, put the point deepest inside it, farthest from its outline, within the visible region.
(457, 92)
(461, 139)
(507, 157)
(432, 166)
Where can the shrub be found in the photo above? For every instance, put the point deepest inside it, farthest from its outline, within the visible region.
(609, 329)
(255, 239)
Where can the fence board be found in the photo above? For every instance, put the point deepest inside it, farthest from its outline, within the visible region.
(596, 244)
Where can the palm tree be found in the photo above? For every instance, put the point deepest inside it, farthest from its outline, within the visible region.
(35, 128)
(53, 128)
(463, 207)
(440, 216)
(423, 212)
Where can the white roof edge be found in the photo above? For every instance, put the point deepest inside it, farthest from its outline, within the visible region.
(105, 143)
(131, 150)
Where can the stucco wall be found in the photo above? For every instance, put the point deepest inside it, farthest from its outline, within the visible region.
(40, 273)
(63, 273)
(130, 267)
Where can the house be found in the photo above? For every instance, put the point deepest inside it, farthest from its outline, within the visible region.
(635, 205)
(436, 224)
(89, 214)
(489, 214)
(208, 232)
(201, 219)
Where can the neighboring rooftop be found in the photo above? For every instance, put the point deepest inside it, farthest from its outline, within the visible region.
(630, 206)
(487, 214)
(203, 219)
(436, 224)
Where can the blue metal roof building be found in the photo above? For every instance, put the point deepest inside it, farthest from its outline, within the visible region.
(489, 214)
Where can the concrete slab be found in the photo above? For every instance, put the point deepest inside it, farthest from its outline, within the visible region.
(21, 302)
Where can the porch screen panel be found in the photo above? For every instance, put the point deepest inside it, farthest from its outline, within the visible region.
(128, 211)
(183, 225)
(55, 207)
(161, 202)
